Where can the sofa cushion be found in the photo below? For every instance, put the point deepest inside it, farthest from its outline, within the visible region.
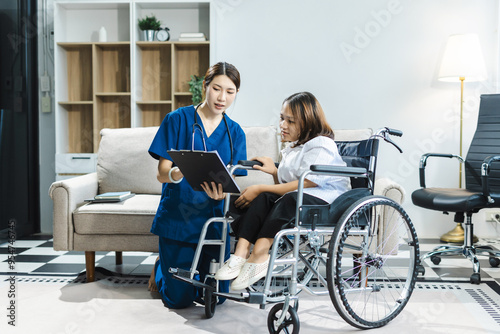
(123, 161)
(261, 141)
(132, 216)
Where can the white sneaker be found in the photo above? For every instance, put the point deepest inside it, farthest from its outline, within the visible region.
(231, 268)
(250, 273)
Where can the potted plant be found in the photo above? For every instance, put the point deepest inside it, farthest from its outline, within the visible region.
(149, 25)
(196, 88)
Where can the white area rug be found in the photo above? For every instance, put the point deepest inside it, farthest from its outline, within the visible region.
(123, 305)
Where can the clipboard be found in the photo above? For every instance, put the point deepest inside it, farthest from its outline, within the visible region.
(201, 166)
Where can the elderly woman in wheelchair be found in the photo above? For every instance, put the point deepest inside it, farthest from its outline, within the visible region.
(311, 232)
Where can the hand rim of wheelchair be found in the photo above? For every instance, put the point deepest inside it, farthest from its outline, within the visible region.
(343, 284)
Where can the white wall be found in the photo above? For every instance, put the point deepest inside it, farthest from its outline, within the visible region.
(388, 79)
(386, 75)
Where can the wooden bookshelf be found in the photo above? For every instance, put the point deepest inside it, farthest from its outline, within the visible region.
(124, 81)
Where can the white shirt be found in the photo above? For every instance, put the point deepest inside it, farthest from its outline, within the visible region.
(317, 151)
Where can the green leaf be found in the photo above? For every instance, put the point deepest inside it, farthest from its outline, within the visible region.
(196, 88)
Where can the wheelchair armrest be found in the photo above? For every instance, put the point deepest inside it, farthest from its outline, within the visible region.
(485, 171)
(339, 170)
(423, 163)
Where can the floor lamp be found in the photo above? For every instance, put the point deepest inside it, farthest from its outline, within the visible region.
(462, 61)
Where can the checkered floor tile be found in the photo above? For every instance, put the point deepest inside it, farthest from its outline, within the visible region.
(36, 256)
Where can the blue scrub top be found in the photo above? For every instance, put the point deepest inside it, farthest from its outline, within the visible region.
(183, 211)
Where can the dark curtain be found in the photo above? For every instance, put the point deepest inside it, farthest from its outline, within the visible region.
(19, 171)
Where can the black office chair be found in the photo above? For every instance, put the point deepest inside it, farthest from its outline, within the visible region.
(482, 189)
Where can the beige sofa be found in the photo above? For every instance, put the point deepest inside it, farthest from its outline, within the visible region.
(123, 164)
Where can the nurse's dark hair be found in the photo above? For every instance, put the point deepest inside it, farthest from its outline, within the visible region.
(309, 114)
(222, 68)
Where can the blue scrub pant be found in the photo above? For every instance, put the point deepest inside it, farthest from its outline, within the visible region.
(177, 254)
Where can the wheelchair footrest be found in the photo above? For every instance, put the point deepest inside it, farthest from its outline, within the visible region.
(250, 297)
(194, 282)
(232, 296)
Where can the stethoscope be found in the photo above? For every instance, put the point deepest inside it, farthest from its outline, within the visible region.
(197, 126)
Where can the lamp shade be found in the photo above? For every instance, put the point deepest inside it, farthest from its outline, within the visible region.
(463, 58)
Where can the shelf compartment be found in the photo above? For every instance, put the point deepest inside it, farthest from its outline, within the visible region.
(78, 62)
(112, 67)
(112, 94)
(154, 113)
(189, 59)
(71, 103)
(80, 122)
(156, 73)
(111, 112)
(179, 16)
(81, 20)
(182, 100)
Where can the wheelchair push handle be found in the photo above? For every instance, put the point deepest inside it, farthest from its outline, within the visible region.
(384, 133)
(249, 163)
(394, 132)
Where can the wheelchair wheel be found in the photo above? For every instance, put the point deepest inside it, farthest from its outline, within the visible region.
(279, 283)
(372, 267)
(209, 298)
(290, 324)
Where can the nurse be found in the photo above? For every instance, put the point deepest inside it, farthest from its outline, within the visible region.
(183, 211)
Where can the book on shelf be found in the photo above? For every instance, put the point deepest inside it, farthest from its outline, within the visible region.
(192, 35)
(116, 196)
(184, 39)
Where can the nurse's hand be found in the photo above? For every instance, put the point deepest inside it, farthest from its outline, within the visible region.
(247, 196)
(214, 191)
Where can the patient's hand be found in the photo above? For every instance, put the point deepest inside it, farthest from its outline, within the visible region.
(247, 196)
(268, 165)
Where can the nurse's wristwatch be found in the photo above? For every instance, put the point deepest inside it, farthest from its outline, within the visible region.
(170, 175)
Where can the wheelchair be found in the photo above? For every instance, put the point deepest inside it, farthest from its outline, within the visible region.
(362, 250)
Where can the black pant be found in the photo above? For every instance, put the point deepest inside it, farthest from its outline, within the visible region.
(267, 214)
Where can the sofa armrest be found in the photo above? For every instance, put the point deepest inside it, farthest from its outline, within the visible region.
(386, 236)
(388, 188)
(67, 195)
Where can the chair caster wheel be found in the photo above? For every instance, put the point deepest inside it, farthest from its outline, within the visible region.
(494, 262)
(420, 270)
(436, 259)
(210, 299)
(290, 324)
(475, 278)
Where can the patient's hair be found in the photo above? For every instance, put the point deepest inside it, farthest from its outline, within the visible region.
(222, 68)
(312, 122)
